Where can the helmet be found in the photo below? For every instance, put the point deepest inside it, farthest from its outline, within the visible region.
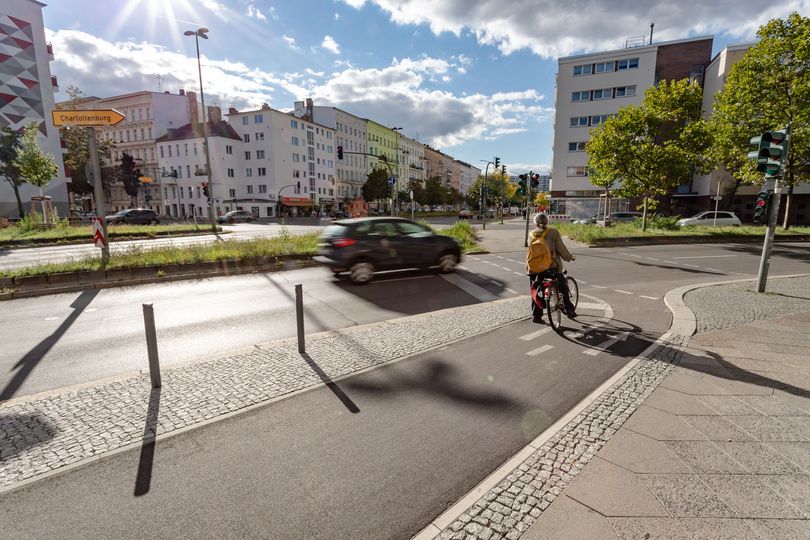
(540, 218)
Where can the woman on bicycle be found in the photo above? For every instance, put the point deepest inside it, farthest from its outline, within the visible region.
(559, 253)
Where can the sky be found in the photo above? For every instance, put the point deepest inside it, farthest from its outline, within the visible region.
(473, 78)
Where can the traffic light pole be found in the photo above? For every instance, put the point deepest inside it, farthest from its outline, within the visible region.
(528, 200)
(765, 259)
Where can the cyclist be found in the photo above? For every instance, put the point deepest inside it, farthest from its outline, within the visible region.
(549, 257)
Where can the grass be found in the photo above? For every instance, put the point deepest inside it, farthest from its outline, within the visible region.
(588, 234)
(252, 251)
(66, 233)
(461, 231)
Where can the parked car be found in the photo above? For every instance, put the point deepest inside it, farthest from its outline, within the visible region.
(236, 216)
(624, 217)
(465, 214)
(134, 216)
(361, 246)
(338, 214)
(586, 221)
(707, 218)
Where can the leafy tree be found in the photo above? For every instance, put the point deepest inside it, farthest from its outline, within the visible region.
(453, 196)
(9, 148)
(496, 184)
(768, 88)
(435, 192)
(37, 167)
(653, 148)
(541, 199)
(419, 193)
(376, 186)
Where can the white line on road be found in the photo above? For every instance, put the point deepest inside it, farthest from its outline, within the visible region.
(116, 317)
(602, 347)
(591, 305)
(692, 265)
(713, 269)
(406, 278)
(51, 318)
(621, 291)
(599, 286)
(705, 257)
(670, 262)
(519, 274)
(653, 259)
(535, 334)
(649, 297)
(511, 291)
(539, 350)
(582, 281)
(470, 288)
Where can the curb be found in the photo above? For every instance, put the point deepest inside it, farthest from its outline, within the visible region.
(113, 239)
(666, 240)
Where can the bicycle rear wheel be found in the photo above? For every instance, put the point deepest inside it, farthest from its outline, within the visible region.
(573, 290)
(554, 308)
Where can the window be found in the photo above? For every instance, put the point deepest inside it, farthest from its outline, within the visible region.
(180, 171)
(247, 155)
(195, 149)
(188, 171)
(246, 137)
(170, 150)
(258, 118)
(579, 121)
(294, 124)
(161, 151)
(310, 138)
(576, 146)
(329, 135)
(585, 95)
(586, 69)
(625, 91)
(599, 119)
(259, 154)
(576, 171)
(249, 189)
(295, 141)
(245, 120)
(629, 63)
(185, 148)
(296, 158)
(261, 171)
(262, 187)
(228, 149)
(230, 173)
(231, 192)
(259, 136)
(190, 192)
(603, 93)
(248, 172)
(604, 67)
(150, 133)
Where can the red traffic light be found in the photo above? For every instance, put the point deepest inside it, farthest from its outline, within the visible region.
(760, 202)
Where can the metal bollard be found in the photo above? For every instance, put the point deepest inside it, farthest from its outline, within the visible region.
(151, 344)
(299, 317)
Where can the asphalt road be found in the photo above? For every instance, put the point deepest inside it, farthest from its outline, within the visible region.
(429, 428)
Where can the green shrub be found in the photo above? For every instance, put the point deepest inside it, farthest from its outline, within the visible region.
(657, 221)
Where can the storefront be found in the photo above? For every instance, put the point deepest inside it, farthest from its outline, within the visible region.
(326, 205)
(295, 207)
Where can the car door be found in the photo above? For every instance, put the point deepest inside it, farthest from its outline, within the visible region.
(385, 244)
(418, 248)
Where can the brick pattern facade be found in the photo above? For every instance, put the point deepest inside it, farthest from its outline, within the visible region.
(675, 62)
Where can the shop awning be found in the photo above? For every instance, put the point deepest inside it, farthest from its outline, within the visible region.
(296, 201)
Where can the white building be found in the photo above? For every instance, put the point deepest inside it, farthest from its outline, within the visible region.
(350, 133)
(181, 165)
(411, 161)
(293, 157)
(592, 87)
(26, 95)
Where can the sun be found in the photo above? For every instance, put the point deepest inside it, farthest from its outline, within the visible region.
(171, 16)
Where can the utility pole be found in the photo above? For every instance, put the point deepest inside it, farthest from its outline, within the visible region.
(528, 201)
(716, 203)
(98, 191)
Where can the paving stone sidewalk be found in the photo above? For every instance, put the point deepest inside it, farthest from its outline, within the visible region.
(44, 434)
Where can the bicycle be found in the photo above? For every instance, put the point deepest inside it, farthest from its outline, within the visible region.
(554, 301)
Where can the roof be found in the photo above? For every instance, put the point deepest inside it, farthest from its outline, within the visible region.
(195, 131)
(732, 48)
(631, 50)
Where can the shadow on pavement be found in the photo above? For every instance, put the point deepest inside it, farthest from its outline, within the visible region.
(592, 334)
(28, 362)
(33, 431)
(143, 481)
(786, 250)
(333, 386)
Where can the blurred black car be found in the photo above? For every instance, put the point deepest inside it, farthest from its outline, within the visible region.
(235, 216)
(362, 246)
(134, 216)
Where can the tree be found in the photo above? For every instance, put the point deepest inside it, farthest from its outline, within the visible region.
(37, 167)
(419, 193)
(768, 88)
(9, 148)
(606, 183)
(435, 193)
(376, 185)
(129, 176)
(542, 200)
(653, 148)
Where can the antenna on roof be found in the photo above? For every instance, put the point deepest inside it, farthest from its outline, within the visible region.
(652, 25)
(159, 79)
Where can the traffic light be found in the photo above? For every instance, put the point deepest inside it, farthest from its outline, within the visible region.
(535, 181)
(761, 207)
(205, 189)
(340, 152)
(503, 170)
(521, 190)
(497, 162)
(772, 149)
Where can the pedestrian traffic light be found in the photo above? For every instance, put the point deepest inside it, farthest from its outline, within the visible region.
(521, 190)
(205, 189)
(771, 152)
(497, 162)
(535, 181)
(503, 170)
(761, 207)
(340, 152)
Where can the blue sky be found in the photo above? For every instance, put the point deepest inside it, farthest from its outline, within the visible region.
(473, 78)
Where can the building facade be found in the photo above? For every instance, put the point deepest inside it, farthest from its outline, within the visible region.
(26, 95)
(384, 142)
(411, 161)
(467, 175)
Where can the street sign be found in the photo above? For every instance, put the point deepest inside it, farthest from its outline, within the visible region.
(717, 198)
(107, 117)
(411, 194)
(98, 233)
(391, 180)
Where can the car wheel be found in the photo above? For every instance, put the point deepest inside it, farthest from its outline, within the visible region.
(230, 221)
(153, 222)
(361, 272)
(447, 263)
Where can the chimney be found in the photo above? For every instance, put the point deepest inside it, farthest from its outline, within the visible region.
(232, 110)
(265, 106)
(193, 110)
(182, 92)
(309, 110)
(214, 114)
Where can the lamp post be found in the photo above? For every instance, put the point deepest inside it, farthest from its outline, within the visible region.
(203, 33)
(278, 202)
(396, 182)
(481, 194)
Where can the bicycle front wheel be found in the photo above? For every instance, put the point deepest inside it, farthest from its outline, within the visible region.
(573, 290)
(554, 308)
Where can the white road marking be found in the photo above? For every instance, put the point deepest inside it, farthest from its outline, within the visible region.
(90, 310)
(519, 274)
(405, 278)
(591, 305)
(653, 259)
(621, 291)
(705, 257)
(539, 350)
(599, 286)
(511, 291)
(639, 256)
(582, 281)
(602, 347)
(116, 317)
(470, 288)
(649, 297)
(691, 265)
(494, 281)
(535, 334)
(670, 262)
(575, 335)
(713, 269)
(51, 318)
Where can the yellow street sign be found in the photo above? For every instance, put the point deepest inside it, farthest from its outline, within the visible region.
(107, 117)
(145, 179)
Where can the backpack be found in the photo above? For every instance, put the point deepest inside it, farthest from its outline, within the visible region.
(539, 258)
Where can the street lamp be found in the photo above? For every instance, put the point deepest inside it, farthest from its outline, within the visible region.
(481, 194)
(395, 196)
(203, 33)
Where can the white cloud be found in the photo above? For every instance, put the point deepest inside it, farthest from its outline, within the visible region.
(214, 6)
(253, 11)
(273, 13)
(514, 169)
(337, 16)
(330, 45)
(551, 28)
(446, 78)
(315, 73)
(290, 41)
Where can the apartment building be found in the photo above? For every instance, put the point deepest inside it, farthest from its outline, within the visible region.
(350, 132)
(467, 174)
(411, 161)
(592, 87)
(149, 115)
(383, 141)
(181, 165)
(293, 157)
(26, 95)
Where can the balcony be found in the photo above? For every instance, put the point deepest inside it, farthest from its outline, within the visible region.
(417, 167)
(54, 82)
(49, 48)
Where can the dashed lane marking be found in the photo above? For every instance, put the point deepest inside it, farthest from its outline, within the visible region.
(713, 269)
(692, 265)
(582, 281)
(621, 291)
(599, 286)
(519, 274)
(540, 350)
(511, 291)
(670, 262)
(653, 259)
(591, 305)
(705, 257)
(535, 334)
(479, 293)
(649, 297)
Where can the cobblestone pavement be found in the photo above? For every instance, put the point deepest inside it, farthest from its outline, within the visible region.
(43, 434)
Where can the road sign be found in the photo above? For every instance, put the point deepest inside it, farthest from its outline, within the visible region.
(98, 233)
(717, 198)
(411, 194)
(391, 180)
(107, 117)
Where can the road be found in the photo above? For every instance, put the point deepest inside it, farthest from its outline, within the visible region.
(429, 428)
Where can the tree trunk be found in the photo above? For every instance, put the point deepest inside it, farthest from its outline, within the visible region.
(644, 216)
(786, 221)
(16, 189)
